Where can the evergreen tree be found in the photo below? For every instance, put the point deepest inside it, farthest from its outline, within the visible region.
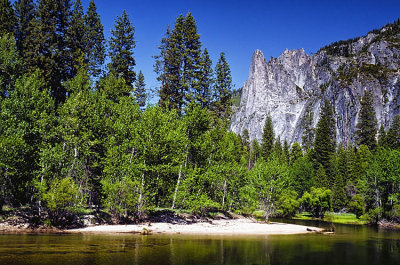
(191, 57)
(393, 134)
(140, 90)
(255, 152)
(10, 64)
(53, 58)
(25, 12)
(203, 91)
(267, 138)
(286, 151)
(223, 89)
(121, 44)
(7, 17)
(95, 42)
(325, 138)
(339, 192)
(308, 130)
(77, 38)
(295, 152)
(179, 65)
(367, 123)
(382, 137)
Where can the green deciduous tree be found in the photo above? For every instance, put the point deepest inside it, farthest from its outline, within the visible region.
(318, 201)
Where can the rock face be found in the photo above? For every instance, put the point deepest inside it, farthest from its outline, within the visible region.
(286, 86)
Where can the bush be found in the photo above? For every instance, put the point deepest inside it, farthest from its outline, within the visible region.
(287, 205)
(357, 205)
(63, 200)
(317, 202)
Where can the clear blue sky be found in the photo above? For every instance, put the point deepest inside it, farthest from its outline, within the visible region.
(240, 27)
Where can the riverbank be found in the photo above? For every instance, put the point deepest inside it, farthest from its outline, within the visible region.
(242, 226)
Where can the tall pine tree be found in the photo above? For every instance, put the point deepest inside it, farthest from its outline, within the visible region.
(140, 90)
(7, 17)
(308, 130)
(203, 91)
(25, 13)
(51, 38)
(179, 65)
(95, 42)
(325, 138)
(223, 89)
(268, 137)
(121, 44)
(367, 124)
(77, 38)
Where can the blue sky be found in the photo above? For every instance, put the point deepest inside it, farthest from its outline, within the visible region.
(240, 27)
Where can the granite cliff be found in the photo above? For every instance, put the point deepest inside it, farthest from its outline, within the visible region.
(285, 87)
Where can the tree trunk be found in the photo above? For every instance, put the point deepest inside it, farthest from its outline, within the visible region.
(177, 186)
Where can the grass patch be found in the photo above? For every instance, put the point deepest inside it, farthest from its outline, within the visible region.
(338, 218)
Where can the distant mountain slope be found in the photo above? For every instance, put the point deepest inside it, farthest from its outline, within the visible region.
(287, 85)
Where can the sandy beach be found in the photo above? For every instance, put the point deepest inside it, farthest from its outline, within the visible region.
(216, 227)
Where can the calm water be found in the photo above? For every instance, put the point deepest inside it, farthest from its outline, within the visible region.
(351, 245)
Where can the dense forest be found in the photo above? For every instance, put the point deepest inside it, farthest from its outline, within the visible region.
(77, 135)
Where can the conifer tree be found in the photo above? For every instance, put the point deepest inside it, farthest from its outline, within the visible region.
(295, 152)
(325, 137)
(7, 17)
(25, 13)
(367, 123)
(267, 138)
(382, 137)
(255, 152)
(191, 56)
(393, 134)
(95, 42)
(308, 130)
(140, 90)
(121, 44)
(77, 38)
(179, 64)
(54, 59)
(223, 89)
(203, 91)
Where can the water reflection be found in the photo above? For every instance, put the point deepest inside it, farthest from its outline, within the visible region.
(351, 245)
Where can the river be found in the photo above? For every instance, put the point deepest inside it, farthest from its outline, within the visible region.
(350, 245)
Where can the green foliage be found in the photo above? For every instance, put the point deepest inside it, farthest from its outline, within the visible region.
(325, 140)
(269, 180)
(287, 204)
(268, 138)
(357, 205)
(308, 130)
(301, 175)
(121, 45)
(393, 134)
(223, 89)
(367, 124)
(62, 198)
(10, 64)
(7, 18)
(140, 90)
(95, 42)
(318, 201)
